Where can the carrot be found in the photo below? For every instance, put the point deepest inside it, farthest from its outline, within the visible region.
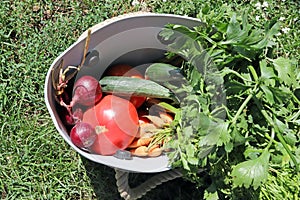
(155, 151)
(140, 142)
(140, 151)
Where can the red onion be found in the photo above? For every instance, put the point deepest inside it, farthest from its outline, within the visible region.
(86, 91)
(83, 135)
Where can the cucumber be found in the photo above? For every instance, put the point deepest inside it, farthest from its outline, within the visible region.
(168, 76)
(162, 72)
(121, 85)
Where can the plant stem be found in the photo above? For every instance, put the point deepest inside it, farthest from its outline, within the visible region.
(285, 145)
(244, 104)
(86, 48)
(271, 139)
(253, 72)
(240, 110)
(279, 135)
(295, 116)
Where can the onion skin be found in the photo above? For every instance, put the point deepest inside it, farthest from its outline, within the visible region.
(77, 115)
(83, 135)
(86, 91)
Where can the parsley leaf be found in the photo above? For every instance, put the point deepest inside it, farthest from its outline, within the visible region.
(285, 70)
(251, 172)
(242, 116)
(218, 134)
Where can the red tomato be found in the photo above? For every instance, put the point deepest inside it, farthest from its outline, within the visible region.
(116, 122)
(128, 71)
(123, 70)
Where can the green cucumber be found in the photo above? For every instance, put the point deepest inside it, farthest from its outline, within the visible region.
(162, 72)
(170, 77)
(136, 87)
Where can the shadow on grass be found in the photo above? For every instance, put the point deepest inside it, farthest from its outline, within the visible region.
(104, 184)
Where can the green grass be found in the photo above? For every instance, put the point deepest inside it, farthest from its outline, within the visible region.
(35, 162)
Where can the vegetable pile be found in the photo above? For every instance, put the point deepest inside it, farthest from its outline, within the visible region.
(221, 100)
(118, 115)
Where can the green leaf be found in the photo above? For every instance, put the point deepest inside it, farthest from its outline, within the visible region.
(201, 122)
(266, 72)
(235, 87)
(224, 134)
(273, 29)
(187, 132)
(166, 33)
(190, 151)
(228, 147)
(237, 138)
(285, 70)
(217, 134)
(185, 31)
(184, 162)
(251, 172)
(284, 157)
(233, 29)
(254, 37)
(281, 94)
(281, 126)
(268, 94)
(237, 34)
(252, 152)
(211, 195)
(290, 137)
(204, 151)
(227, 71)
(193, 160)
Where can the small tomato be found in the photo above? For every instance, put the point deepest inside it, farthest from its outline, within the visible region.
(123, 70)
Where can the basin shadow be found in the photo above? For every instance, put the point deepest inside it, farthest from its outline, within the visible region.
(104, 185)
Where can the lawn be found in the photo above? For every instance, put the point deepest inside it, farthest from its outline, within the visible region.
(35, 162)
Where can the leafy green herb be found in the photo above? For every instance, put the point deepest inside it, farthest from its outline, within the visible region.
(239, 117)
(252, 172)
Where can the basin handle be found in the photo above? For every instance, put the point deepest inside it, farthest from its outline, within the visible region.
(128, 193)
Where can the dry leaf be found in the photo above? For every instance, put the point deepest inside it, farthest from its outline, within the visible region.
(140, 142)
